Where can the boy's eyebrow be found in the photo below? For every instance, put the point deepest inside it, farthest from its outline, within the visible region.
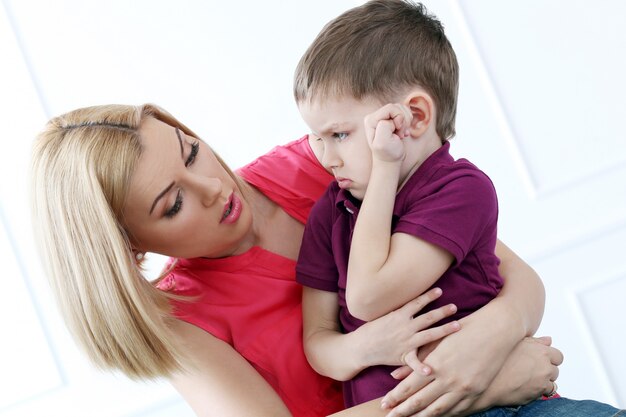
(334, 127)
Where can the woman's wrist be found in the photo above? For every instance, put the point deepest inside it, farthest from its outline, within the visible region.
(502, 323)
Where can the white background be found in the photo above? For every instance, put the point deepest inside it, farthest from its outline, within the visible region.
(541, 110)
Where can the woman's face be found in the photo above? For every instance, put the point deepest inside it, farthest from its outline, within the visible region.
(181, 201)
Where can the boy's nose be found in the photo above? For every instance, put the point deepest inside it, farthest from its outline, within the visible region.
(330, 158)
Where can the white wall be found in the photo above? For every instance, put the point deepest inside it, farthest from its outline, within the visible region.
(541, 111)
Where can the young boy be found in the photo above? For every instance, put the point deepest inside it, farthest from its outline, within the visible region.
(443, 222)
(402, 216)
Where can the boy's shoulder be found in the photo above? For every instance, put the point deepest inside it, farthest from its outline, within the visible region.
(441, 167)
(449, 180)
(463, 175)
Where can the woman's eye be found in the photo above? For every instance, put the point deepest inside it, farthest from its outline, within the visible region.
(172, 211)
(340, 135)
(192, 155)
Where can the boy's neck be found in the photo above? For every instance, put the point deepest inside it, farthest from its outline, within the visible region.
(421, 150)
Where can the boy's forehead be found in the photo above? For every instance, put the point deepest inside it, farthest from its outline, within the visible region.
(335, 114)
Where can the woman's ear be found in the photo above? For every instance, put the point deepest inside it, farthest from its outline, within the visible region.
(422, 109)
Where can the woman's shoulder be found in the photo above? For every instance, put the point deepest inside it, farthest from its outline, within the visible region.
(290, 175)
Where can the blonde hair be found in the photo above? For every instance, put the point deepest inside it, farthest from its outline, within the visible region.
(380, 49)
(82, 166)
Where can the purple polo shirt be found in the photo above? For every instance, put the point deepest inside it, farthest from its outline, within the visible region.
(448, 203)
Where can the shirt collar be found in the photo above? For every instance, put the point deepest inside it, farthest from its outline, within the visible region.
(345, 202)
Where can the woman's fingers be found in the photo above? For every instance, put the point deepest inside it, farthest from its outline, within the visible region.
(556, 356)
(411, 386)
(544, 340)
(411, 359)
(406, 401)
(401, 372)
(450, 404)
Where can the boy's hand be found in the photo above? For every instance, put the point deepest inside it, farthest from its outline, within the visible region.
(385, 129)
(394, 338)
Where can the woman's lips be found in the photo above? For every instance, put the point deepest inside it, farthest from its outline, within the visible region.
(232, 209)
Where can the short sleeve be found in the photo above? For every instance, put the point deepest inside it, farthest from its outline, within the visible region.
(461, 209)
(291, 176)
(316, 265)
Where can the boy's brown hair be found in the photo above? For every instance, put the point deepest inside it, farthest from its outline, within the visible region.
(379, 50)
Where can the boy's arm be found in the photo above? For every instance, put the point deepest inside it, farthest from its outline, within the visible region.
(382, 342)
(323, 340)
(380, 263)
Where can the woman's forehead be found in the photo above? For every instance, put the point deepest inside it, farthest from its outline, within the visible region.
(156, 167)
(152, 129)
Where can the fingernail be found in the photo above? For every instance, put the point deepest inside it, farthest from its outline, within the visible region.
(426, 370)
(384, 405)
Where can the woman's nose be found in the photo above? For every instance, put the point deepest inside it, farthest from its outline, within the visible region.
(209, 189)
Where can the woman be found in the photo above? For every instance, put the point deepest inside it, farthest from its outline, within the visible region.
(224, 321)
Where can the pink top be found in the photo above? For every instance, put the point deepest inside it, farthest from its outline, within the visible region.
(252, 300)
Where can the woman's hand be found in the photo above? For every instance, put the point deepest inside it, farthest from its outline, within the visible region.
(527, 374)
(395, 337)
(464, 365)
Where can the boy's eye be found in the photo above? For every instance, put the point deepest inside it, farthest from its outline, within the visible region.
(340, 135)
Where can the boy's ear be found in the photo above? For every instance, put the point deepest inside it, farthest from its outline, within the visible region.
(422, 108)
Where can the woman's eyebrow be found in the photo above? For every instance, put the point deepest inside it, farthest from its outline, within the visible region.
(169, 187)
(180, 141)
(161, 194)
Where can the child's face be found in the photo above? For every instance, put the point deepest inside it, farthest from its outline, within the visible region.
(338, 122)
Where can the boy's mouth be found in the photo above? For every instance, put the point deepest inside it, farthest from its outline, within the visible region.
(343, 182)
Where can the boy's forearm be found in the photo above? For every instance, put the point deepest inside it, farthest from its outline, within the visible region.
(334, 354)
(371, 239)
(330, 352)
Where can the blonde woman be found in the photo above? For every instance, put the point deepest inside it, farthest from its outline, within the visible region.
(223, 323)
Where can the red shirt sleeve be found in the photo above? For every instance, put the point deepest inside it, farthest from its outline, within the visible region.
(289, 175)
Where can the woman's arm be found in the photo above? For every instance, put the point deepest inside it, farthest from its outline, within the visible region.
(527, 374)
(465, 363)
(222, 382)
(524, 290)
